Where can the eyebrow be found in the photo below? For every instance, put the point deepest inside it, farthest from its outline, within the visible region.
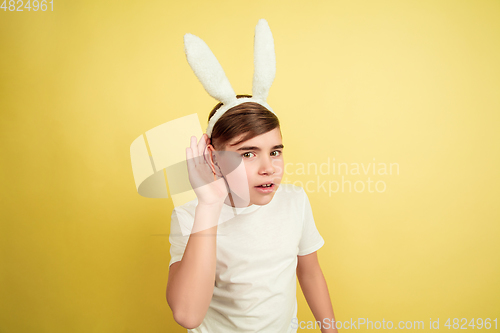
(258, 149)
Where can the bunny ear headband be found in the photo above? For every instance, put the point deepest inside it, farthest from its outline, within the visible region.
(214, 80)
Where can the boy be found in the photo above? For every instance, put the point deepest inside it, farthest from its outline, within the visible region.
(240, 276)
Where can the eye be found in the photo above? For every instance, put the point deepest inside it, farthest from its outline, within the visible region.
(276, 153)
(247, 154)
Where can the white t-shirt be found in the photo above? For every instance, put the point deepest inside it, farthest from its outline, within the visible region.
(255, 280)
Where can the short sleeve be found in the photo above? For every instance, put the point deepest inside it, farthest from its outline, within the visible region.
(310, 240)
(177, 240)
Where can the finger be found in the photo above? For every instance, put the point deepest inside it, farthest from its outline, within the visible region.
(194, 150)
(202, 144)
(189, 158)
(205, 146)
(201, 150)
(201, 147)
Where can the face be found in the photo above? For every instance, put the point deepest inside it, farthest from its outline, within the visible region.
(263, 164)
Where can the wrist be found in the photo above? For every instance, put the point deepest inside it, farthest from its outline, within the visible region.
(209, 210)
(206, 217)
(209, 206)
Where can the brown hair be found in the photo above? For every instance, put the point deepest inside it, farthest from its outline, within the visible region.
(248, 119)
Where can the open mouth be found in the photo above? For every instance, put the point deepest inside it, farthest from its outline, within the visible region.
(266, 188)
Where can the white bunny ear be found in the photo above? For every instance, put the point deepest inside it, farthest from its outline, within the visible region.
(207, 69)
(264, 61)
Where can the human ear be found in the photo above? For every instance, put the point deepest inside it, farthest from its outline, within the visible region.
(212, 160)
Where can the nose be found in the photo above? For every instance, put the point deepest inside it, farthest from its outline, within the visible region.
(267, 167)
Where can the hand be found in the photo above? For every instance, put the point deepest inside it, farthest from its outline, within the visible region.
(209, 188)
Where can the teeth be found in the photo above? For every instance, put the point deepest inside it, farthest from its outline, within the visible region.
(266, 185)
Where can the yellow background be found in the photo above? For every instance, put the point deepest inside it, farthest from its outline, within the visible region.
(410, 82)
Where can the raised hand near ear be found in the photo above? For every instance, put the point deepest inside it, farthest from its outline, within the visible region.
(209, 188)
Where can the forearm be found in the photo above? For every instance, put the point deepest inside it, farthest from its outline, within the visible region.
(190, 289)
(315, 291)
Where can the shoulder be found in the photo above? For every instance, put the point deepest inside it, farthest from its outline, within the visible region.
(186, 210)
(182, 219)
(295, 198)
